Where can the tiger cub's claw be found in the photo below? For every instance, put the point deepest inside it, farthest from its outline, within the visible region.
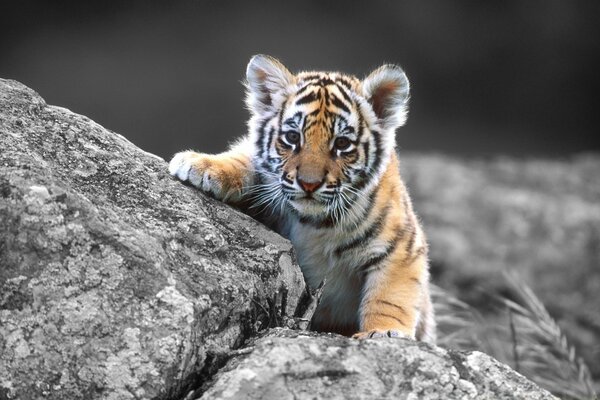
(376, 333)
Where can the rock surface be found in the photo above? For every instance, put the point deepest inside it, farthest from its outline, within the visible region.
(116, 281)
(288, 364)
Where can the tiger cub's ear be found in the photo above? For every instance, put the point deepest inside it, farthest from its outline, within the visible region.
(387, 90)
(266, 81)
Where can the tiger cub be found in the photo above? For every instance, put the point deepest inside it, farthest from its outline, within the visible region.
(319, 166)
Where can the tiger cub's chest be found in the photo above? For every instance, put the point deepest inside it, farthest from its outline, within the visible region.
(317, 256)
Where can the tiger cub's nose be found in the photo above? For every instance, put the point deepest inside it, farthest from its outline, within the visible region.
(309, 187)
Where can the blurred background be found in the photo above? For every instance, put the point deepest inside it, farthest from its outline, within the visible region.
(513, 77)
(501, 145)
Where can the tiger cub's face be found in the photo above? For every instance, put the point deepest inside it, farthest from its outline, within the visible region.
(323, 139)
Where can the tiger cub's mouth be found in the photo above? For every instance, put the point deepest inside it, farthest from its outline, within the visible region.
(322, 205)
(309, 198)
(308, 206)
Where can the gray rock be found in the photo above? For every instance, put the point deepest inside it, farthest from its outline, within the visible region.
(116, 281)
(300, 365)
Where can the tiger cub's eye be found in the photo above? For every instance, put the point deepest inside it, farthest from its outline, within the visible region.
(292, 137)
(342, 143)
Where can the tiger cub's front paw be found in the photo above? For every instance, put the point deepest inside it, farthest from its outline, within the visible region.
(216, 175)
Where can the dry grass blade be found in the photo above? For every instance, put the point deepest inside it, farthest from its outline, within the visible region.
(540, 349)
(459, 326)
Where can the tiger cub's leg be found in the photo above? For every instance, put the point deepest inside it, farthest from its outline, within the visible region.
(393, 300)
(224, 176)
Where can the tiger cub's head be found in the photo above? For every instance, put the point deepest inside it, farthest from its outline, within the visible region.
(322, 139)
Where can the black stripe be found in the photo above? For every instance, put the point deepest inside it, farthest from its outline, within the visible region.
(325, 81)
(378, 150)
(414, 257)
(366, 148)
(387, 316)
(371, 262)
(271, 134)
(339, 103)
(310, 77)
(372, 169)
(308, 98)
(367, 145)
(393, 305)
(288, 188)
(413, 236)
(346, 95)
(371, 203)
(361, 125)
(269, 139)
(388, 251)
(303, 89)
(373, 231)
(344, 82)
(260, 141)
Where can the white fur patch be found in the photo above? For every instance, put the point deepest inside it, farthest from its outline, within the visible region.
(180, 165)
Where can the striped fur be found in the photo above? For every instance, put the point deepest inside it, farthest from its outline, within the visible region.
(319, 166)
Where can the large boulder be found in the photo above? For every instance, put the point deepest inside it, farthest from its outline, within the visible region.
(301, 365)
(116, 281)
